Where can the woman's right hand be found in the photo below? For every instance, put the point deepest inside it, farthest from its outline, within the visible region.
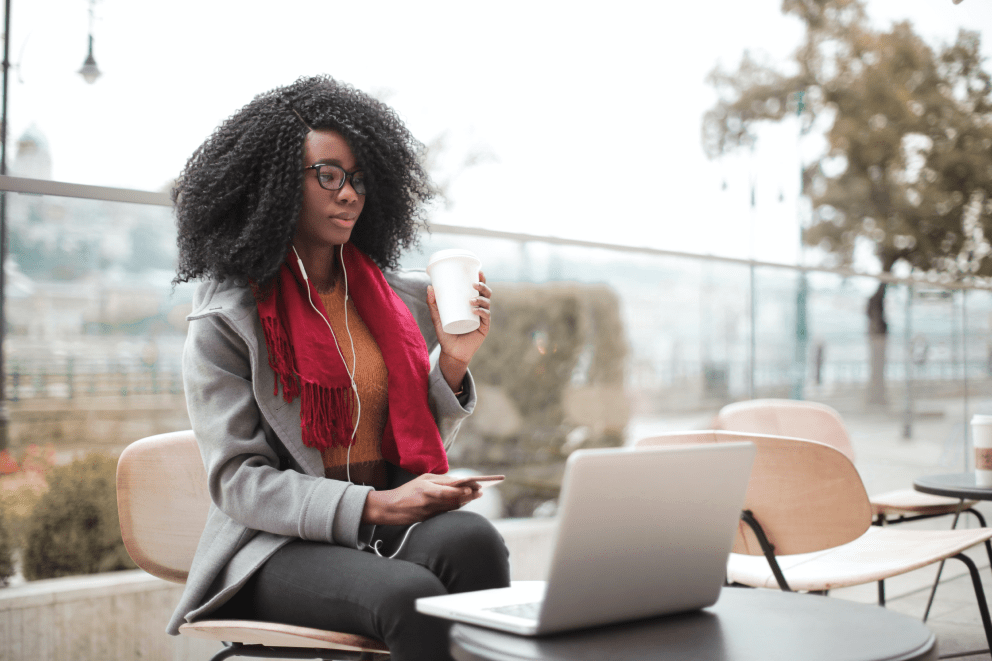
(419, 499)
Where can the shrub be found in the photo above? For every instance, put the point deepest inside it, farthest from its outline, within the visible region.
(6, 551)
(551, 380)
(18, 495)
(74, 528)
(545, 340)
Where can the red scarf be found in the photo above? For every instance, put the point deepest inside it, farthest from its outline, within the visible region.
(304, 356)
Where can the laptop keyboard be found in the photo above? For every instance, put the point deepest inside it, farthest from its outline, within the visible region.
(527, 611)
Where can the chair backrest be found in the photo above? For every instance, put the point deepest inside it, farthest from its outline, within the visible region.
(787, 417)
(163, 502)
(807, 496)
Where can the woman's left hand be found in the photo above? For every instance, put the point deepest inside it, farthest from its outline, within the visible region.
(457, 350)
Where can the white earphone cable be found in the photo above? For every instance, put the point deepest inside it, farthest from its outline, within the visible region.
(351, 341)
(351, 375)
(375, 545)
(337, 345)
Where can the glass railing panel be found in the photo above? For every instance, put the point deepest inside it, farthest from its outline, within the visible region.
(590, 345)
(94, 328)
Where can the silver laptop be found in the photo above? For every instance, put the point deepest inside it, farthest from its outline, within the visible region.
(640, 533)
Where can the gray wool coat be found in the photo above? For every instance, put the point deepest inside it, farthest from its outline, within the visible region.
(267, 487)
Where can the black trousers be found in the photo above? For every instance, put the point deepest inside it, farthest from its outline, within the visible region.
(317, 585)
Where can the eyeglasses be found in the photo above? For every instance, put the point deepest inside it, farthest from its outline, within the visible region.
(332, 177)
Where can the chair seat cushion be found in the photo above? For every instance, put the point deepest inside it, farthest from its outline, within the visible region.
(878, 554)
(250, 632)
(910, 501)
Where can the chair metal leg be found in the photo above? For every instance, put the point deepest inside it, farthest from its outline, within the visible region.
(940, 570)
(228, 650)
(262, 651)
(881, 519)
(983, 607)
(766, 547)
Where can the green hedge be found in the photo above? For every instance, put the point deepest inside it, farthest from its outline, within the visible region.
(549, 345)
(6, 550)
(74, 528)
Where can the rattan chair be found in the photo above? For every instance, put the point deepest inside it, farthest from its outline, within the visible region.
(806, 524)
(163, 502)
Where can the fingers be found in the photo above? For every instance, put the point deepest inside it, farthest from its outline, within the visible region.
(475, 495)
(482, 301)
(449, 493)
(481, 307)
(482, 304)
(432, 306)
(417, 500)
(451, 498)
(443, 490)
(468, 491)
(481, 285)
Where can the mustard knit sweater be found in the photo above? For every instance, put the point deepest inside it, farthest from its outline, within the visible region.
(366, 465)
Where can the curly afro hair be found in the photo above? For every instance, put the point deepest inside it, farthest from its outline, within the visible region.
(239, 197)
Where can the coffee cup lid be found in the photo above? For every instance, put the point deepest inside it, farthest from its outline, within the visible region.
(452, 252)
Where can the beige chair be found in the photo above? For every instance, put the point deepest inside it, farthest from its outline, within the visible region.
(163, 502)
(806, 523)
(819, 422)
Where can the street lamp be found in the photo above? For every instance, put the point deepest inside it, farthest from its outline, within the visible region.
(4, 414)
(90, 72)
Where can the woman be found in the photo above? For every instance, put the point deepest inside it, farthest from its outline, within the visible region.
(322, 426)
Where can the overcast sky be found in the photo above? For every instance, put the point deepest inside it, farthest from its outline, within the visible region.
(589, 112)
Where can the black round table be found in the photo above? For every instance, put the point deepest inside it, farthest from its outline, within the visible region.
(955, 485)
(744, 625)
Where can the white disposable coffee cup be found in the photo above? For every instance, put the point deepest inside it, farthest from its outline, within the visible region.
(454, 274)
(981, 439)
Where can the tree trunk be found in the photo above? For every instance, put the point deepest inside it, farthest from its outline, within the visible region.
(878, 333)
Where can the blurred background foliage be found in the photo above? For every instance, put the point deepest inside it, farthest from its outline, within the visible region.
(70, 527)
(551, 375)
(6, 549)
(907, 167)
(22, 482)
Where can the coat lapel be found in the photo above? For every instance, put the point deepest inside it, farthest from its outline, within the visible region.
(238, 306)
(283, 417)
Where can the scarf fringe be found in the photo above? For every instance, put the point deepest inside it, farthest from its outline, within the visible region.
(281, 359)
(301, 361)
(326, 416)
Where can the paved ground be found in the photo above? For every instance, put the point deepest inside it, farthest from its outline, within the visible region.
(887, 461)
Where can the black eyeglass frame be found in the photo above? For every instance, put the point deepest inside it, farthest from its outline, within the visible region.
(347, 176)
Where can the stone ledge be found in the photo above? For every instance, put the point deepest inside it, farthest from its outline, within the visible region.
(77, 588)
(529, 541)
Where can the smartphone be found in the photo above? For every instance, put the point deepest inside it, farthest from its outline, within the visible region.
(482, 480)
